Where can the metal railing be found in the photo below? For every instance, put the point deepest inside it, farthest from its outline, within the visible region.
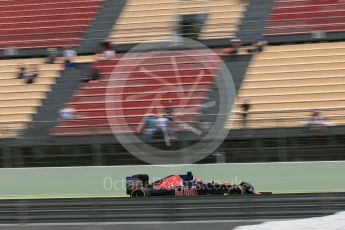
(234, 121)
(97, 145)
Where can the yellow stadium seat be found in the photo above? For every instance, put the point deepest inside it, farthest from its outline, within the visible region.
(151, 21)
(18, 100)
(39, 80)
(22, 95)
(12, 118)
(285, 84)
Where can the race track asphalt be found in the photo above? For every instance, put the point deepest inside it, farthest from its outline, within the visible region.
(218, 212)
(200, 225)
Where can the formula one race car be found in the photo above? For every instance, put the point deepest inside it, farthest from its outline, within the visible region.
(182, 185)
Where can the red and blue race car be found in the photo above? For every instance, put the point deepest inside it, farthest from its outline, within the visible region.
(182, 185)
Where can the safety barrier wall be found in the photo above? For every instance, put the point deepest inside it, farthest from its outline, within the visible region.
(291, 177)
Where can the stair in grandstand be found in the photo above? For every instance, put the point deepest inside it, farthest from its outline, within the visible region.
(101, 26)
(254, 20)
(45, 118)
(237, 66)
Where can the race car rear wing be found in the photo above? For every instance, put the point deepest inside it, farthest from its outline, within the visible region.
(136, 181)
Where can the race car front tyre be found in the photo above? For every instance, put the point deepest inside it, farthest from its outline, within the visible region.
(236, 189)
(138, 192)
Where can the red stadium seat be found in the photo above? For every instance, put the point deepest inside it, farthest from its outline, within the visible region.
(47, 18)
(305, 17)
(122, 100)
(46, 25)
(33, 24)
(45, 6)
(13, 39)
(45, 43)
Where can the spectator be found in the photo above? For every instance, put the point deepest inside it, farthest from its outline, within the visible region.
(259, 45)
(52, 55)
(99, 55)
(245, 107)
(319, 35)
(92, 74)
(107, 52)
(162, 124)
(317, 121)
(67, 113)
(68, 65)
(30, 77)
(235, 45)
(21, 73)
(149, 127)
(69, 54)
(169, 110)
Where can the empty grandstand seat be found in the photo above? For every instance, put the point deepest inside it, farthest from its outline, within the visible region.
(306, 16)
(41, 24)
(18, 100)
(128, 90)
(285, 84)
(142, 22)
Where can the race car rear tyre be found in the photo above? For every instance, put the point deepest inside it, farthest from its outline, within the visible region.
(235, 190)
(138, 192)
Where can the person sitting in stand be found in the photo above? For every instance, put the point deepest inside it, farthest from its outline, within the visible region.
(92, 74)
(107, 52)
(259, 45)
(67, 113)
(317, 122)
(69, 55)
(169, 111)
(162, 124)
(165, 128)
(21, 73)
(245, 107)
(30, 77)
(52, 55)
(149, 126)
(235, 45)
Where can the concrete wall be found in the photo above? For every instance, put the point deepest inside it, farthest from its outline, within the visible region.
(109, 181)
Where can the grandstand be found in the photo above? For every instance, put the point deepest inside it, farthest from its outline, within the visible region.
(157, 22)
(100, 99)
(306, 16)
(91, 100)
(284, 83)
(297, 20)
(19, 101)
(41, 24)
